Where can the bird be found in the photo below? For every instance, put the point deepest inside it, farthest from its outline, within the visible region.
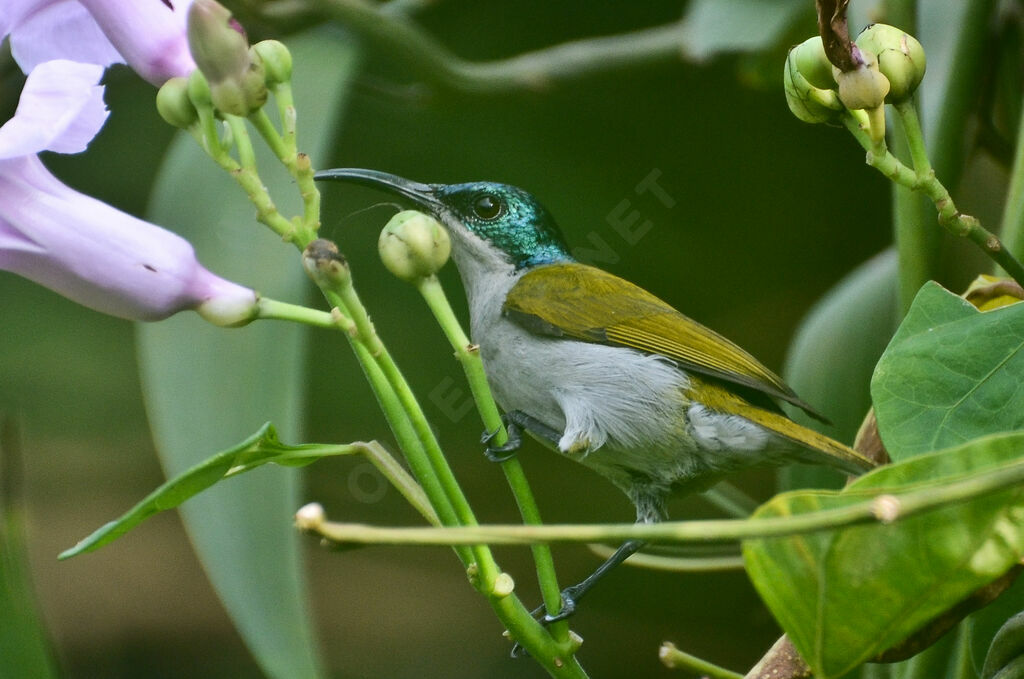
(601, 370)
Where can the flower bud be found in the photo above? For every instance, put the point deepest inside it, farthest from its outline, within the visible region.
(199, 90)
(812, 63)
(326, 265)
(221, 51)
(808, 103)
(173, 104)
(277, 61)
(413, 245)
(864, 87)
(901, 59)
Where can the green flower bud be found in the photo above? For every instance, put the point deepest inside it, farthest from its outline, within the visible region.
(863, 87)
(199, 90)
(326, 265)
(413, 245)
(808, 103)
(901, 59)
(221, 51)
(810, 60)
(277, 61)
(173, 104)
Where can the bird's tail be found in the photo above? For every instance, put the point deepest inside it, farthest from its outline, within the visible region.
(815, 448)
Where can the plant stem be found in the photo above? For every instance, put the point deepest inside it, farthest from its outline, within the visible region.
(1012, 229)
(271, 309)
(910, 503)
(428, 59)
(673, 658)
(469, 356)
(949, 217)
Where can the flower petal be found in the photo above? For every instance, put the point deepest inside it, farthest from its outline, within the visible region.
(44, 30)
(61, 109)
(149, 34)
(98, 256)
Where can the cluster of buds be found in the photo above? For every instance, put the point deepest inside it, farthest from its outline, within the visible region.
(232, 77)
(889, 65)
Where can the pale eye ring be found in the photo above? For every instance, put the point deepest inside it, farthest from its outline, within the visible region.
(488, 206)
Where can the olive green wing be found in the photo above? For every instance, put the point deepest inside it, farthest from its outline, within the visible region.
(596, 306)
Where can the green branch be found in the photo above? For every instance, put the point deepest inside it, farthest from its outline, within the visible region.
(897, 506)
(428, 59)
(469, 355)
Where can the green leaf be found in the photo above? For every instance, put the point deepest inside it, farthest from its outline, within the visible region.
(834, 353)
(986, 623)
(24, 643)
(1005, 658)
(950, 374)
(844, 596)
(261, 448)
(207, 387)
(711, 27)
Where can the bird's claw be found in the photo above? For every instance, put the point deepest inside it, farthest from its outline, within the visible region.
(540, 613)
(507, 450)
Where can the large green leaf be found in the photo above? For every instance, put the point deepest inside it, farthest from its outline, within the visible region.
(24, 642)
(261, 448)
(834, 353)
(950, 374)
(207, 388)
(843, 596)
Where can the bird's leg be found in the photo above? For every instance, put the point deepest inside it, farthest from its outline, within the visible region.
(572, 594)
(515, 421)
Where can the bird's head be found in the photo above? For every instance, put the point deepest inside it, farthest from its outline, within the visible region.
(487, 221)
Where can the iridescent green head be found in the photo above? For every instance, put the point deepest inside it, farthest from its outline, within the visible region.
(505, 217)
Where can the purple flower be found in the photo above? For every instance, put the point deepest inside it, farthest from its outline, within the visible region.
(78, 246)
(148, 35)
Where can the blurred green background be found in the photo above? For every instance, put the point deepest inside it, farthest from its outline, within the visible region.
(768, 214)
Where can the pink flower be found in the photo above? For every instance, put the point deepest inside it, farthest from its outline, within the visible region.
(148, 35)
(78, 246)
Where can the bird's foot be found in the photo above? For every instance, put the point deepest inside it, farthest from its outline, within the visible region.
(567, 610)
(507, 450)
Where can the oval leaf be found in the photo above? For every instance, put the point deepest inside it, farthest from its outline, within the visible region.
(844, 596)
(207, 388)
(950, 374)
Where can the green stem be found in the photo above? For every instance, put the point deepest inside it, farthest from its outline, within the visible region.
(427, 58)
(673, 658)
(469, 356)
(240, 135)
(956, 104)
(950, 218)
(910, 503)
(261, 121)
(368, 337)
(1012, 229)
(395, 473)
(271, 309)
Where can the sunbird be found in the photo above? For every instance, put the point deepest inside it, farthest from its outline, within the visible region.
(601, 370)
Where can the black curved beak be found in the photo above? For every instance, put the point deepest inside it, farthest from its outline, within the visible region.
(423, 195)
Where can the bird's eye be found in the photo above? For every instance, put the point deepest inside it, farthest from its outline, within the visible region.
(487, 206)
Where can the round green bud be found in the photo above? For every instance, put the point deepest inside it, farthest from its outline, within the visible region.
(325, 264)
(199, 90)
(216, 41)
(243, 95)
(221, 51)
(901, 58)
(808, 103)
(173, 104)
(810, 60)
(277, 61)
(864, 87)
(414, 245)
